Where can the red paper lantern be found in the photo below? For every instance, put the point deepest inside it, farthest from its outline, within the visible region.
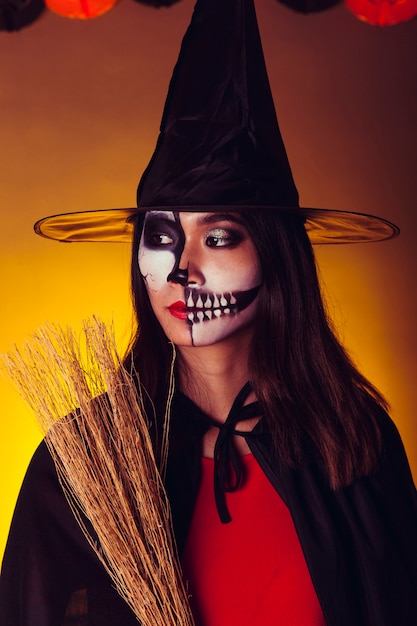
(383, 12)
(82, 9)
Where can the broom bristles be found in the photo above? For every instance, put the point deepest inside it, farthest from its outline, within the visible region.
(105, 462)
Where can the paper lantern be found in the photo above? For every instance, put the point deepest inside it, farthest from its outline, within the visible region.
(309, 6)
(16, 14)
(383, 12)
(82, 9)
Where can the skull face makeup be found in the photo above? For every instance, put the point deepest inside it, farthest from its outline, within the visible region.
(202, 274)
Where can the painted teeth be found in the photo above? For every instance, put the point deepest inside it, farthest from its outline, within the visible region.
(209, 306)
(196, 300)
(196, 317)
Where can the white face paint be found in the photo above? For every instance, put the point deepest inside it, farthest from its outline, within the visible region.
(202, 274)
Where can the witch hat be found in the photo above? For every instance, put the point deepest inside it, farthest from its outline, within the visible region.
(220, 146)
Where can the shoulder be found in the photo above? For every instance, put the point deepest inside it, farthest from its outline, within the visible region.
(42, 509)
(41, 479)
(382, 506)
(393, 460)
(41, 465)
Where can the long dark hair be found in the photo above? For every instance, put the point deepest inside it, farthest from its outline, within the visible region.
(308, 387)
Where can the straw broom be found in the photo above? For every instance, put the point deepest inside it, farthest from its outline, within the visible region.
(105, 462)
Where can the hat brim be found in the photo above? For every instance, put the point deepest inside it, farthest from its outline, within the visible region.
(116, 225)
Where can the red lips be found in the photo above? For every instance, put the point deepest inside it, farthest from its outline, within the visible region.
(178, 310)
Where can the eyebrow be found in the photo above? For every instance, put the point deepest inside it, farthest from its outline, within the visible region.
(212, 218)
(160, 216)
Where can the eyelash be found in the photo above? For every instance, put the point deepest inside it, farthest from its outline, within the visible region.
(230, 237)
(156, 239)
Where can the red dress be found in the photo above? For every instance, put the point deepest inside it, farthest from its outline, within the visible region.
(251, 571)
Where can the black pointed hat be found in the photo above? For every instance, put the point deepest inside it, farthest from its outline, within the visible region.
(220, 146)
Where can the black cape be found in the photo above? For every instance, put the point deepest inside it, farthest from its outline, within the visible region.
(360, 542)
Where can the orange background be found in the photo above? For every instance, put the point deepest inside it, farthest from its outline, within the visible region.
(80, 106)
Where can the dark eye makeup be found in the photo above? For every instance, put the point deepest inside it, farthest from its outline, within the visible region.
(159, 232)
(220, 237)
(220, 232)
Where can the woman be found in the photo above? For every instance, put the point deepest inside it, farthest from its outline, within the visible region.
(323, 439)
(291, 496)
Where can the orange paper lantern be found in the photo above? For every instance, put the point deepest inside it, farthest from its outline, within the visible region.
(82, 9)
(383, 12)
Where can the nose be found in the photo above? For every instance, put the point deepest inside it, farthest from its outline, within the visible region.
(188, 269)
(178, 276)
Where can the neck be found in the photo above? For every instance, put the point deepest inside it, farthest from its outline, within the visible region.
(213, 375)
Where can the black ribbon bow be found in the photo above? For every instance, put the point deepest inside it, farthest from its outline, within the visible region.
(228, 470)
